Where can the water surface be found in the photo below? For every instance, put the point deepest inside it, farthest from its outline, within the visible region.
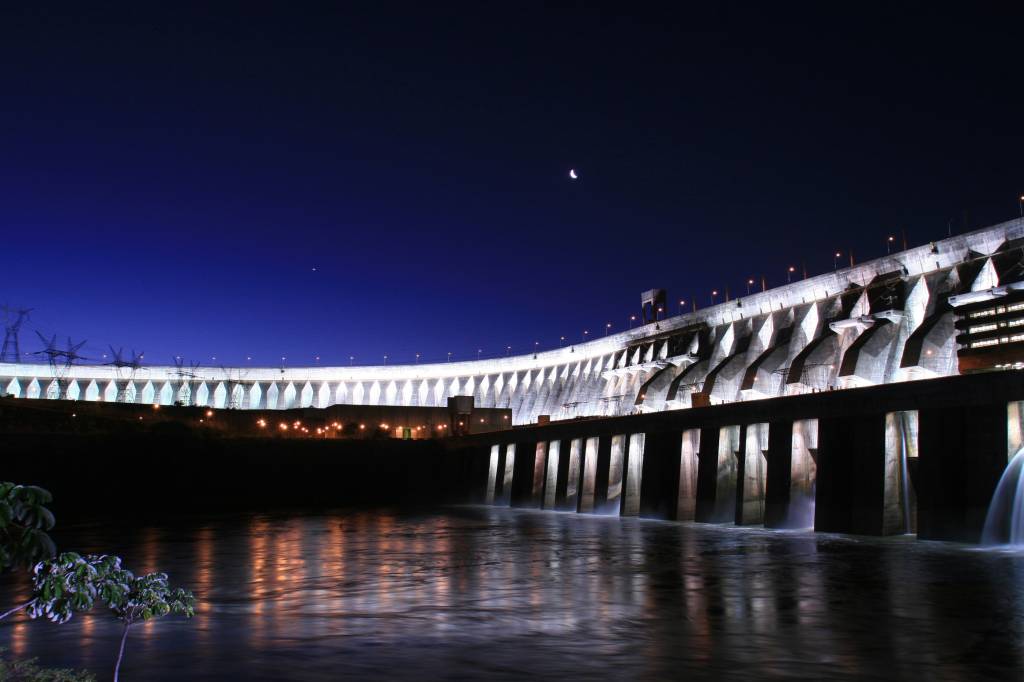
(476, 592)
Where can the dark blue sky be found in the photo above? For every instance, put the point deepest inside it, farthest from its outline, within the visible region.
(170, 174)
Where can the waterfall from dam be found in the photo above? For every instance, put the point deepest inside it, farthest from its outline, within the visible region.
(1005, 519)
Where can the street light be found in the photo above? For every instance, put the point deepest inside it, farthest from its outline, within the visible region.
(351, 359)
(835, 260)
(681, 304)
(607, 328)
(632, 319)
(789, 273)
(385, 359)
(660, 312)
(449, 356)
(750, 283)
(562, 339)
(888, 244)
(508, 350)
(1020, 204)
(417, 358)
(714, 292)
(478, 352)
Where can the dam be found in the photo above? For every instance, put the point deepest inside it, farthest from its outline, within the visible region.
(936, 310)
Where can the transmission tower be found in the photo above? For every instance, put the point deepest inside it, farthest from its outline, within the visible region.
(13, 319)
(60, 362)
(125, 370)
(186, 375)
(233, 378)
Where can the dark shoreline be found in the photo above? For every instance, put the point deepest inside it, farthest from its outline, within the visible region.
(145, 474)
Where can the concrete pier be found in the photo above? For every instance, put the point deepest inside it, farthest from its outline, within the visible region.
(881, 460)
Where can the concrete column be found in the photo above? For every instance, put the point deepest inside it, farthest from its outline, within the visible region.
(1014, 428)
(686, 506)
(181, 392)
(551, 482)
(900, 513)
(47, 388)
(718, 468)
(588, 479)
(274, 400)
(633, 475)
(211, 394)
(754, 476)
(492, 473)
(260, 401)
(572, 476)
(789, 498)
(509, 472)
(616, 473)
(540, 457)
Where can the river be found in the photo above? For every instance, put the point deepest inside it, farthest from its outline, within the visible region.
(466, 593)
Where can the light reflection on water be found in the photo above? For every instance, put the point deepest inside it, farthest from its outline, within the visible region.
(480, 592)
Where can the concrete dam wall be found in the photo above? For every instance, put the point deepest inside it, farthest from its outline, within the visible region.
(889, 320)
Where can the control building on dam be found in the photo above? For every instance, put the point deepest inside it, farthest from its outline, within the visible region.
(949, 307)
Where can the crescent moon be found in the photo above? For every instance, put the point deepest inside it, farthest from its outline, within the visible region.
(572, 174)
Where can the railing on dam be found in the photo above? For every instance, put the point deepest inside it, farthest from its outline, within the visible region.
(919, 458)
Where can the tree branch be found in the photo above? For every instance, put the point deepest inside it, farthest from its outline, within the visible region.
(15, 609)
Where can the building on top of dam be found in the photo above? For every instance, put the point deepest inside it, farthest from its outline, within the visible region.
(952, 306)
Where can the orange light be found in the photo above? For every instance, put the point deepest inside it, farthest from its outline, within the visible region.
(209, 413)
(284, 427)
(362, 426)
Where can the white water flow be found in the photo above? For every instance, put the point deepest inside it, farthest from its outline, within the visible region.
(1004, 522)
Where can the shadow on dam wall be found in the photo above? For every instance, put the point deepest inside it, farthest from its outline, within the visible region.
(157, 473)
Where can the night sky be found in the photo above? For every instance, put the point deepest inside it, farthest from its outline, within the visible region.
(171, 175)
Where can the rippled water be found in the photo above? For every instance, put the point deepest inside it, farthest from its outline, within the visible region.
(478, 592)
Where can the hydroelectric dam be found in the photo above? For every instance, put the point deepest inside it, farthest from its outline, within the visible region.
(908, 316)
(881, 398)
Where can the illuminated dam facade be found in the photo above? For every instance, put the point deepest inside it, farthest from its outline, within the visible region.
(937, 310)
